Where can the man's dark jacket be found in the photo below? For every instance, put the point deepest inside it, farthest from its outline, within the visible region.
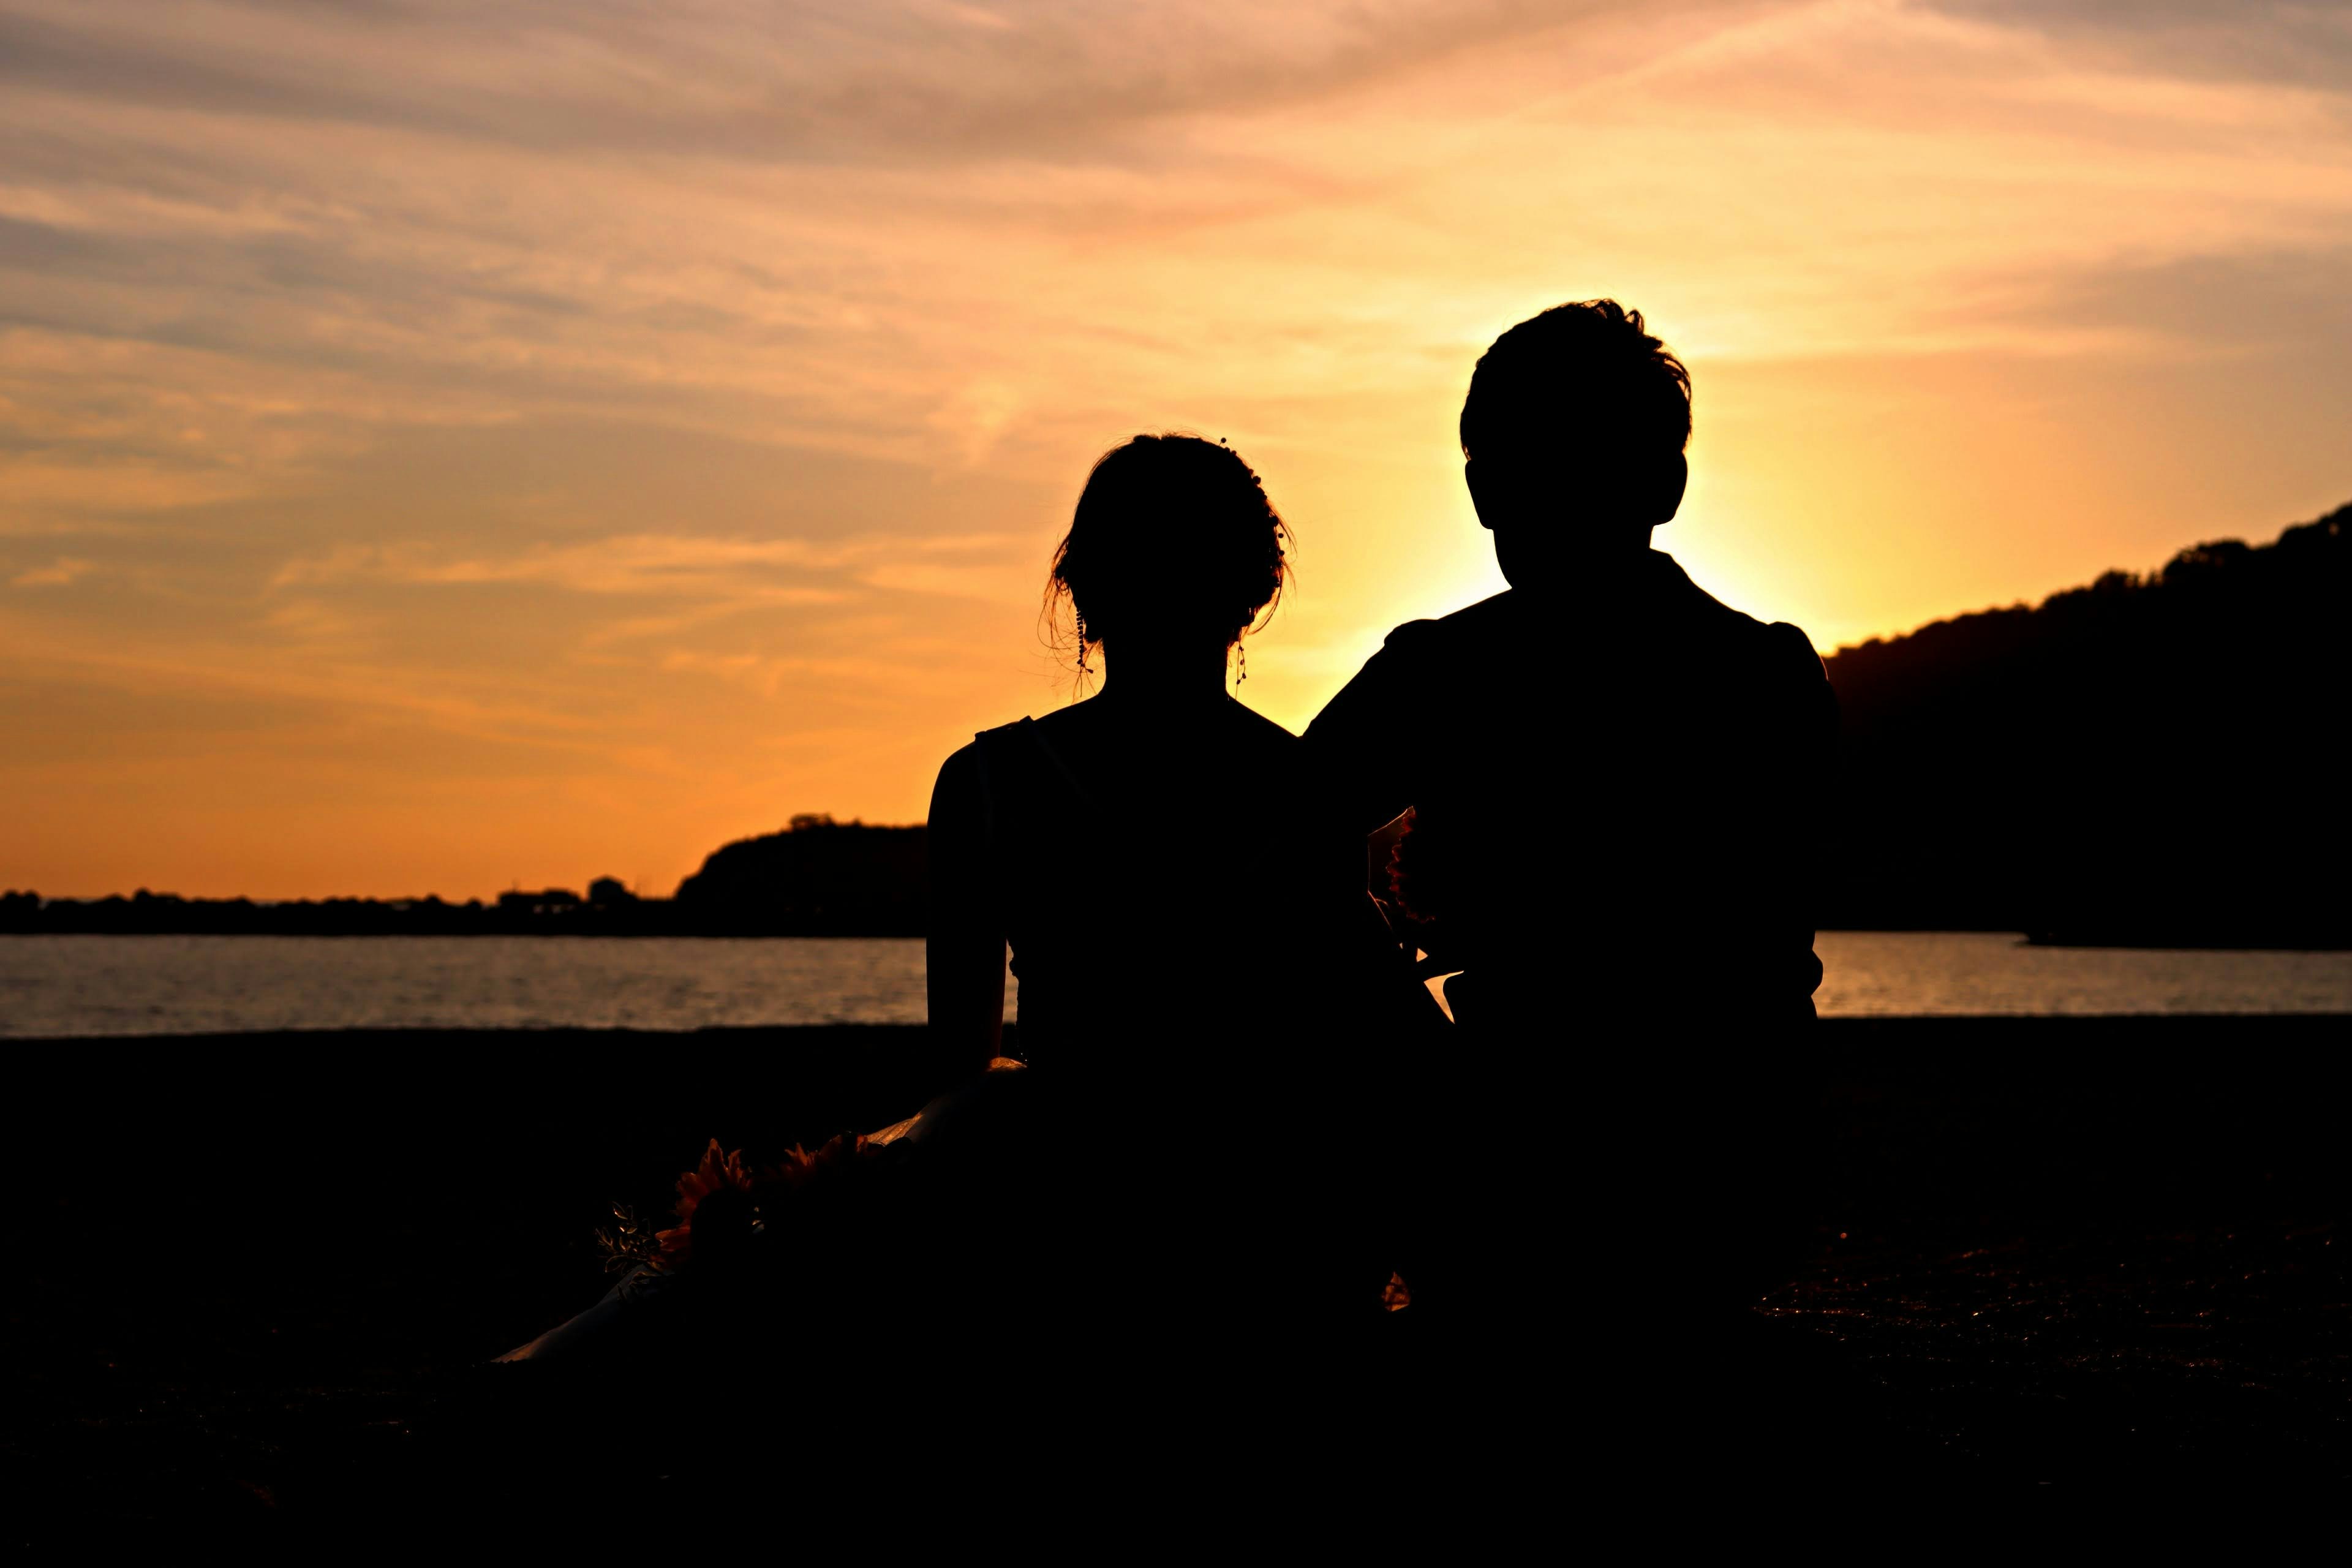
(1616, 791)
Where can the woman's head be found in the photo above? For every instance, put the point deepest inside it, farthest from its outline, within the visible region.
(1173, 539)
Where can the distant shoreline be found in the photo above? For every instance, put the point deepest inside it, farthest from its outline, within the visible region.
(1847, 1030)
(372, 918)
(586, 925)
(751, 933)
(2143, 944)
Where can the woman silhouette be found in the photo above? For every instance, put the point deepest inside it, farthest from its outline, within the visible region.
(1200, 966)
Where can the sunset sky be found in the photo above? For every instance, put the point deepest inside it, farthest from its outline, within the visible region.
(446, 444)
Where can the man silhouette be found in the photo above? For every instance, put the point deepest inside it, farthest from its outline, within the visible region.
(1615, 780)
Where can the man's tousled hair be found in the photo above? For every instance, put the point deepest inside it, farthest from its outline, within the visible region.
(1586, 371)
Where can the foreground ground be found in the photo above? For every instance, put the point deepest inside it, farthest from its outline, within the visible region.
(2074, 1253)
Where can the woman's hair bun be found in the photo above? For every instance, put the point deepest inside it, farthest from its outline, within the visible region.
(1170, 532)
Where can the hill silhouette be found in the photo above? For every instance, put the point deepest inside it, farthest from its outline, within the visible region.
(817, 877)
(2145, 759)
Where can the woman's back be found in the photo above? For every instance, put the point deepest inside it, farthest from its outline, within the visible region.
(1209, 1001)
(1164, 884)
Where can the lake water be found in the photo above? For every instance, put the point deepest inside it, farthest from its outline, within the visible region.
(94, 985)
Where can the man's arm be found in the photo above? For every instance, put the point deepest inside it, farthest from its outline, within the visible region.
(1797, 771)
(1360, 746)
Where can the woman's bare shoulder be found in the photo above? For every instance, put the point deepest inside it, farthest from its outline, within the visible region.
(968, 774)
(957, 785)
(966, 758)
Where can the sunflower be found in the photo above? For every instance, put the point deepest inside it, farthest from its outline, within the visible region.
(740, 1189)
(716, 1173)
(798, 1166)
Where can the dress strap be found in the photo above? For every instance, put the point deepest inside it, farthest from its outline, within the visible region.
(1086, 797)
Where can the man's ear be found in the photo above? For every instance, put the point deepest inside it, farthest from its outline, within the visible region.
(1673, 480)
(1470, 478)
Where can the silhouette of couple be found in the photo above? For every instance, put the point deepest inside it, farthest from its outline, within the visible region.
(1243, 1131)
(1614, 780)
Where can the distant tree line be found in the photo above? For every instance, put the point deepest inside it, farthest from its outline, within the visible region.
(815, 878)
(2149, 759)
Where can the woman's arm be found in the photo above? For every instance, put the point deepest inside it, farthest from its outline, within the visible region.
(964, 952)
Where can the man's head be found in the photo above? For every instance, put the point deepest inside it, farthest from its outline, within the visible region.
(1574, 432)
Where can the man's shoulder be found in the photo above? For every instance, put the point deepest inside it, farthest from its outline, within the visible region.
(1782, 647)
(1445, 633)
(1416, 663)
(1792, 647)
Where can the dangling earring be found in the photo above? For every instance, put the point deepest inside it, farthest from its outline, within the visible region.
(1083, 671)
(1240, 658)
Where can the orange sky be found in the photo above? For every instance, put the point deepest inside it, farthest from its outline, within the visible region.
(447, 446)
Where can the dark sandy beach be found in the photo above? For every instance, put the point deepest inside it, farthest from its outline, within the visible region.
(2080, 1253)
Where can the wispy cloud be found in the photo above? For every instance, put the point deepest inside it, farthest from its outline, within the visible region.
(57, 575)
(667, 565)
(820, 79)
(653, 564)
(2303, 42)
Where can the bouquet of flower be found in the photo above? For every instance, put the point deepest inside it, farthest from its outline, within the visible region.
(723, 1202)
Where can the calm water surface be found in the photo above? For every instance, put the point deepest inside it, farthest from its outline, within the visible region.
(196, 985)
(1872, 972)
(204, 984)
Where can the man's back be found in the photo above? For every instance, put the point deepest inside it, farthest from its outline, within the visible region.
(1614, 793)
(1615, 780)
